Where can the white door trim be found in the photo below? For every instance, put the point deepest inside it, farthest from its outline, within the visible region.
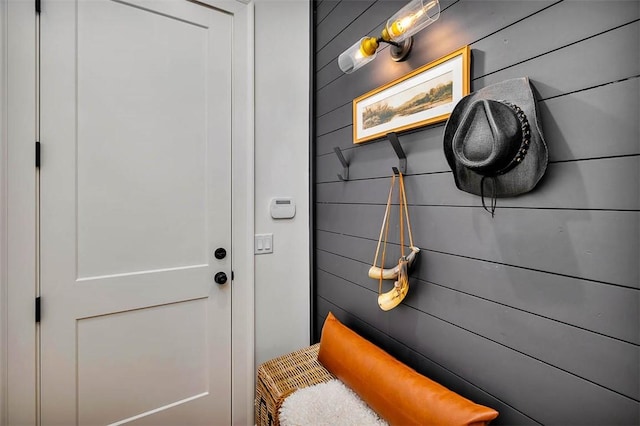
(3, 212)
(18, 211)
(21, 213)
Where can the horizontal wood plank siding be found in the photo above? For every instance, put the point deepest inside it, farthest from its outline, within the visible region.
(609, 238)
(579, 124)
(581, 303)
(535, 312)
(576, 182)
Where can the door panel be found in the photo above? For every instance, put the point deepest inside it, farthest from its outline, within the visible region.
(135, 197)
(173, 336)
(145, 169)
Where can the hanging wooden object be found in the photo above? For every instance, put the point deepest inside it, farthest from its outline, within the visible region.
(400, 272)
(392, 273)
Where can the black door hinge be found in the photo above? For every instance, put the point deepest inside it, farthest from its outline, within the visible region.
(38, 7)
(38, 309)
(232, 278)
(37, 154)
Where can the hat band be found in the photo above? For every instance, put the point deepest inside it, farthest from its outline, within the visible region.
(526, 138)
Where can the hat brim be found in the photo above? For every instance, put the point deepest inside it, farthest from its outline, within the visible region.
(522, 178)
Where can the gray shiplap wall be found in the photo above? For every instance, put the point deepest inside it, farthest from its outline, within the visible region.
(535, 312)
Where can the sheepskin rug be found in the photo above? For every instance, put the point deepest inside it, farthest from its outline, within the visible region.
(330, 404)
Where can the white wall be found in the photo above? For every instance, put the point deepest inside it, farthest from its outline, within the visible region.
(282, 297)
(3, 210)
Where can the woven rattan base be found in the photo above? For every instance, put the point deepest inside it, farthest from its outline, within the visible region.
(279, 377)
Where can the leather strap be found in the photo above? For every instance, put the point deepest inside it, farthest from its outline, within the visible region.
(384, 220)
(384, 229)
(406, 210)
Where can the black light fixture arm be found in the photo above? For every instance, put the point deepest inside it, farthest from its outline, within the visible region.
(391, 42)
(399, 51)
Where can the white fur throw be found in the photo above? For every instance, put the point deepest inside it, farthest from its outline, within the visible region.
(330, 403)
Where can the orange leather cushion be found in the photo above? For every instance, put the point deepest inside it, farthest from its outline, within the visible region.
(399, 394)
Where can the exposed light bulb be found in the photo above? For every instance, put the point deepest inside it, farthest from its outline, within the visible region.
(412, 18)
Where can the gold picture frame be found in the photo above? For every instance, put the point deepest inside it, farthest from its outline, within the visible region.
(424, 96)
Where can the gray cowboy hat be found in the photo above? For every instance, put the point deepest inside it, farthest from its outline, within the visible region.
(494, 133)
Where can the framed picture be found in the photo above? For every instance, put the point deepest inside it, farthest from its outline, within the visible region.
(425, 96)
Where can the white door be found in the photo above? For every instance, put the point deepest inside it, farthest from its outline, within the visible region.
(135, 125)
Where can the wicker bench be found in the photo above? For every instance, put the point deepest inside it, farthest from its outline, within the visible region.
(281, 376)
(394, 391)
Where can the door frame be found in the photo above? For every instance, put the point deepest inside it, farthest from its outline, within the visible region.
(18, 224)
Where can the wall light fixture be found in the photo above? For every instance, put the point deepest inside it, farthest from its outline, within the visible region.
(397, 32)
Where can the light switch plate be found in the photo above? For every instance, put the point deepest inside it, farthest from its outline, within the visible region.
(263, 244)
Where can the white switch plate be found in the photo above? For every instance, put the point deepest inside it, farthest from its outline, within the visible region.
(263, 244)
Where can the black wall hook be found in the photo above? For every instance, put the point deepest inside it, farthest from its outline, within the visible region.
(402, 157)
(345, 166)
